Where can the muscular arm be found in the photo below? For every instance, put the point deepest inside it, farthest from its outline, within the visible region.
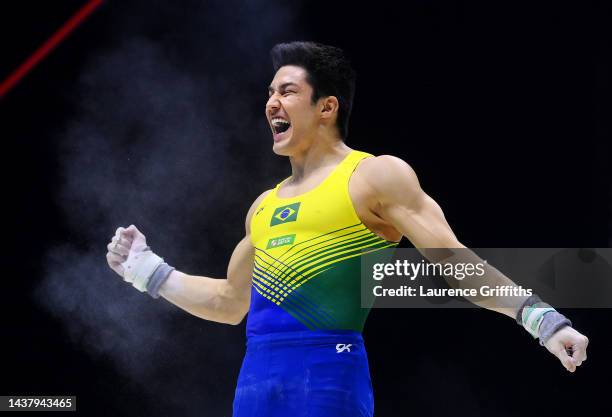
(399, 200)
(222, 300)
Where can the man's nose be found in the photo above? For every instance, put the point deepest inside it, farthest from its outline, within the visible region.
(272, 103)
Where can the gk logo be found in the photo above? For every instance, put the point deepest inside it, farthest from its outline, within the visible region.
(341, 347)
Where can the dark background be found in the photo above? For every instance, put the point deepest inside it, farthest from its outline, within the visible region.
(152, 113)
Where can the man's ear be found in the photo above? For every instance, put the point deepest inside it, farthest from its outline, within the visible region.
(329, 107)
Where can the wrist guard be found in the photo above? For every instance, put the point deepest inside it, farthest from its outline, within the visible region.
(139, 267)
(540, 319)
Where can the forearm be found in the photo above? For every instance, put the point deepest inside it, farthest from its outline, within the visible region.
(508, 305)
(492, 278)
(208, 298)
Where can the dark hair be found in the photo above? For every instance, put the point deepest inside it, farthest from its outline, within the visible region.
(329, 73)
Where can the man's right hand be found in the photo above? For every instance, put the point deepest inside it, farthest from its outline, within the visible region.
(119, 249)
(130, 257)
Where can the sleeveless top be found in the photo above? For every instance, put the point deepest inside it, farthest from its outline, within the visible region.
(306, 273)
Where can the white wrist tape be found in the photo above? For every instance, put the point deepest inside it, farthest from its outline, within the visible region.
(139, 268)
(532, 318)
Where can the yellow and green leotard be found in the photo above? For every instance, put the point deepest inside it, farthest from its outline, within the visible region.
(308, 249)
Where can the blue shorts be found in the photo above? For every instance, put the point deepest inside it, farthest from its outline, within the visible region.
(305, 374)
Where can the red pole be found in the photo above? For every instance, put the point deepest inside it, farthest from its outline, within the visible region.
(48, 45)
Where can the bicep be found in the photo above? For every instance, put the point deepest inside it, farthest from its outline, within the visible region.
(240, 268)
(421, 221)
(409, 209)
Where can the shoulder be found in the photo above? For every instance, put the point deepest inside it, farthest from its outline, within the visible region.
(386, 174)
(382, 163)
(254, 206)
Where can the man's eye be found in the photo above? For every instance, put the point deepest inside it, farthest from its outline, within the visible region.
(288, 92)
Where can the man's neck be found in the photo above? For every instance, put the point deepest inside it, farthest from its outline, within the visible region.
(320, 154)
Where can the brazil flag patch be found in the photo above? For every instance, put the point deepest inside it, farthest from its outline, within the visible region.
(285, 214)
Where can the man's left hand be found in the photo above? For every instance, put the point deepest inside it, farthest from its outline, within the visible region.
(569, 346)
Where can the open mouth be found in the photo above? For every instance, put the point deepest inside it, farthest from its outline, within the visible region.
(280, 125)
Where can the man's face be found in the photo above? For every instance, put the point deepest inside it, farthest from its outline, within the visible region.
(292, 116)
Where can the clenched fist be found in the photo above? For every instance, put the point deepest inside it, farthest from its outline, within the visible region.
(119, 249)
(569, 346)
(130, 257)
